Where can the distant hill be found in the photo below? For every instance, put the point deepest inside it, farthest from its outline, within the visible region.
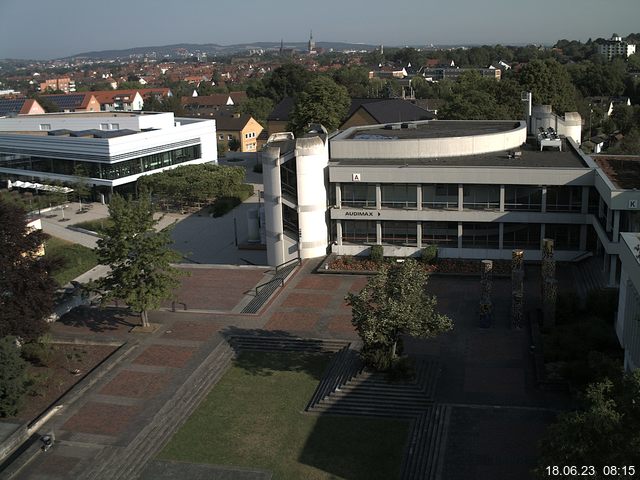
(212, 49)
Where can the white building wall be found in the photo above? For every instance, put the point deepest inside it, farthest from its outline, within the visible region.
(312, 158)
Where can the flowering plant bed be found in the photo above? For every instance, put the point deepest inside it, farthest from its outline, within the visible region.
(346, 263)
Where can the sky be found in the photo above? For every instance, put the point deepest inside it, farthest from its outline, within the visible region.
(44, 29)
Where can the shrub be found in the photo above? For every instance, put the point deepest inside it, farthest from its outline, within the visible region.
(378, 357)
(377, 253)
(429, 253)
(37, 352)
(403, 369)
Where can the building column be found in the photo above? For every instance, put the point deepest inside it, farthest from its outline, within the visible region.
(378, 232)
(419, 196)
(460, 197)
(585, 200)
(338, 195)
(613, 267)
(609, 219)
(616, 225)
(500, 235)
(501, 199)
(459, 235)
(542, 235)
(419, 234)
(544, 200)
(583, 237)
(339, 232)
(378, 197)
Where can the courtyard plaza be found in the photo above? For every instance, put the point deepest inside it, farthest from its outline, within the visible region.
(486, 373)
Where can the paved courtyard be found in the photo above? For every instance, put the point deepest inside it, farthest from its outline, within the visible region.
(498, 416)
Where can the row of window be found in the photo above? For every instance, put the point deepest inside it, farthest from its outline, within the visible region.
(106, 171)
(474, 235)
(475, 197)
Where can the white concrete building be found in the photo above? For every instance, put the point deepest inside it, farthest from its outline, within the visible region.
(114, 149)
(616, 47)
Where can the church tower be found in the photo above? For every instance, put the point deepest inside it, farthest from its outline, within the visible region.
(312, 43)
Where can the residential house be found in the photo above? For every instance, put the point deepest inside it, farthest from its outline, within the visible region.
(240, 127)
(74, 102)
(19, 106)
(64, 84)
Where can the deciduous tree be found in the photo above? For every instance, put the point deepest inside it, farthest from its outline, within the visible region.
(393, 303)
(26, 285)
(12, 377)
(322, 101)
(139, 257)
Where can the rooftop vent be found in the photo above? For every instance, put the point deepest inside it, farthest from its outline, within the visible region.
(392, 126)
(410, 126)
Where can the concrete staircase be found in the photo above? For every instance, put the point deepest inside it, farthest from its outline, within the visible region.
(267, 342)
(425, 453)
(125, 463)
(588, 275)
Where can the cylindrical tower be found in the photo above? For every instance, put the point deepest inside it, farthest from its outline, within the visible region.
(273, 205)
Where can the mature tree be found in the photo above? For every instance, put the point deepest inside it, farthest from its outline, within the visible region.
(322, 101)
(285, 81)
(623, 117)
(139, 257)
(355, 79)
(26, 286)
(12, 377)
(605, 431)
(259, 108)
(393, 303)
(550, 84)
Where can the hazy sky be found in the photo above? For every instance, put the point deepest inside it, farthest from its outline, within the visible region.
(49, 29)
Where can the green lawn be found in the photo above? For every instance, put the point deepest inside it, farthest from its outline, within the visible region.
(76, 259)
(253, 418)
(97, 226)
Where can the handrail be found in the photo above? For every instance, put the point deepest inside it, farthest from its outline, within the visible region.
(281, 280)
(282, 265)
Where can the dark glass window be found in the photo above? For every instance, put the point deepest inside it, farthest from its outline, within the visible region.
(517, 198)
(443, 234)
(564, 198)
(355, 231)
(566, 237)
(521, 235)
(481, 197)
(399, 233)
(358, 195)
(440, 196)
(480, 235)
(399, 195)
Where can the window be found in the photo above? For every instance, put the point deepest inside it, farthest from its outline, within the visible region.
(443, 234)
(564, 199)
(481, 197)
(440, 196)
(399, 195)
(357, 231)
(115, 126)
(566, 237)
(525, 236)
(45, 126)
(358, 195)
(229, 137)
(220, 137)
(399, 233)
(480, 235)
(518, 198)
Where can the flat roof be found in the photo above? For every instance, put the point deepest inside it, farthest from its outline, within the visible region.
(432, 129)
(622, 170)
(531, 157)
(90, 114)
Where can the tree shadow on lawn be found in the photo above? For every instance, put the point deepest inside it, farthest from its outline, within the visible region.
(100, 320)
(357, 448)
(264, 362)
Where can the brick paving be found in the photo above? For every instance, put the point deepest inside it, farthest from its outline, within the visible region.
(136, 384)
(191, 330)
(165, 356)
(216, 288)
(298, 321)
(101, 419)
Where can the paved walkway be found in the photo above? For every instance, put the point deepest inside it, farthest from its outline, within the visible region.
(486, 372)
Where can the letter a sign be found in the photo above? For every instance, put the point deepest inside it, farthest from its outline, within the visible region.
(355, 177)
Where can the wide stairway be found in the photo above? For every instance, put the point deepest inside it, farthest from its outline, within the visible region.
(588, 275)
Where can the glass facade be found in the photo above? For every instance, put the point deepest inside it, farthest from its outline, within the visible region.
(480, 235)
(399, 195)
(289, 178)
(566, 237)
(564, 199)
(443, 234)
(101, 170)
(524, 236)
(481, 197)
(440, 196)
(354, 231)
(522, 198)
(399, 233)
(358, 195)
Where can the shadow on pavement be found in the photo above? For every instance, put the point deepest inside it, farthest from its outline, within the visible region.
(100, 320)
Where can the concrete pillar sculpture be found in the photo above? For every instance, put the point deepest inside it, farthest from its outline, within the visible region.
(486, 284)
(517, 288)
(549, 284)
